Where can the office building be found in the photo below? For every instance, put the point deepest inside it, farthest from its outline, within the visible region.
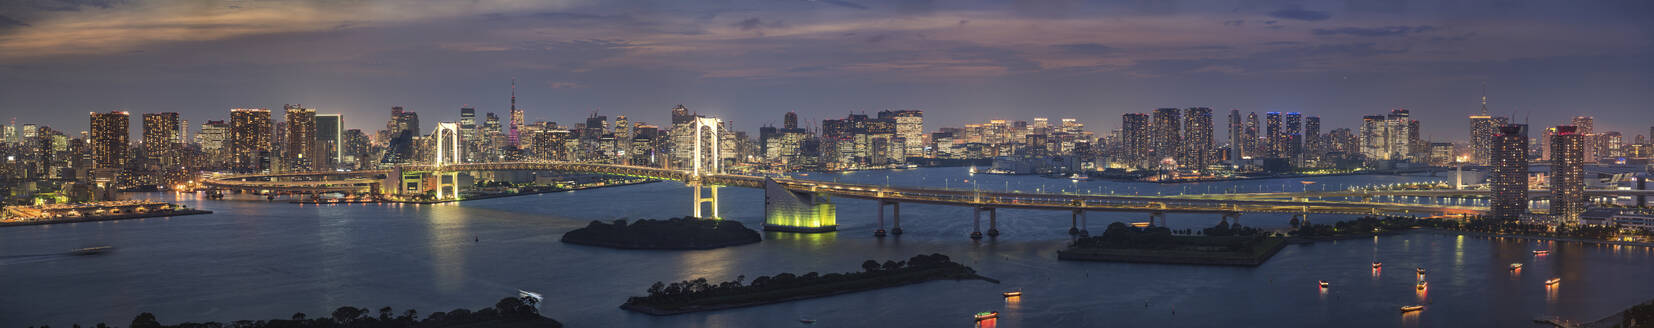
(109, 133)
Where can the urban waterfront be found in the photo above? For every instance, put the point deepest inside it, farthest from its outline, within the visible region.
(255, 259)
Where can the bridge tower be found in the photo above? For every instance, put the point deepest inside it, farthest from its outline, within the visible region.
(705, 128)
(447, 152)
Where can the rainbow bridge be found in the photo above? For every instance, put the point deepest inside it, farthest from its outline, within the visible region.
(812, 196)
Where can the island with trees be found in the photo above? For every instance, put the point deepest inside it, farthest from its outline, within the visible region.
(700, 295)
(675, 233)
(1219, 245)
(510, 312)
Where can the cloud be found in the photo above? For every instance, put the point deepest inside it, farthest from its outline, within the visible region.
(6, 22)
(1374, 31)
(564, 85)
(1085, 48)
(842, 3)
(1237, 22)
(71, 5)
(1299, 13)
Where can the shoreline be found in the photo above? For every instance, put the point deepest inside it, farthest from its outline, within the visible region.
(1531, 237)
(108, 218)
(482, 197)
(656, 311)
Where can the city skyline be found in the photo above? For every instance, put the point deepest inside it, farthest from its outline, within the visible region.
(1337, 60)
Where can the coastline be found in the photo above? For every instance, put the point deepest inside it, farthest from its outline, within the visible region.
(108, 218)
(1564, 239)
(656, 311)
(479, 197)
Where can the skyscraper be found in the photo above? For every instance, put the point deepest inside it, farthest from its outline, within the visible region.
(1293, 139)
(1237, 136)
(1373, 138)
(1508, 180)
(1482, 129)
(300, 151)
(1274, 135)
(160, 140)
(212, 138)
(789, 121)
(109, 132)
(468, 123)
(1567, 173)
(330, 140)
(1166, 138)
(1254, 148)
(250, 134)
(1314, 146)
(1134, 135)
(1197, 138)
(1586, 127)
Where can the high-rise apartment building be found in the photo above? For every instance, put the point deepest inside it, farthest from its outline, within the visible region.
(1292, 140)
(1567, 173)
(1274, 134)
(1508, 180)
(1134, 139)
(1167, 137)
(1314, 147)
(1197, 138)
(300, 151)
(1254, 147)
(160, 140)
(109, 132)
(250, 136)
(1237, 137)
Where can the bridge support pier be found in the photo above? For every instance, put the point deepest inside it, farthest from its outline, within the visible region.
(1074, 223)
(976, 223)
(1302, 219)
(993, 222)
(895, 218)
(700, 198)
(880, 232)
(1157, 219)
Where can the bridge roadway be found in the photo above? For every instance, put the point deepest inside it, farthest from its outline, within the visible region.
(354, 182)
(1535, 193)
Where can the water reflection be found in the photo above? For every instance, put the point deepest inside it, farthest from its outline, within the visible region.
(1411, 318)
(809, 241)
(990, 323)
(449, 234)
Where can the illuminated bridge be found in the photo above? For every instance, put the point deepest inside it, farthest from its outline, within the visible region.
(796, 204)
(414, 177)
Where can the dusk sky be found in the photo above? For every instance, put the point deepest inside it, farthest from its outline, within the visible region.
(750, 61)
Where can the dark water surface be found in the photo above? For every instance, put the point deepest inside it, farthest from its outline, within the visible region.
(254, 259)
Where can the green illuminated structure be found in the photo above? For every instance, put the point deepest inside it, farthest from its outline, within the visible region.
(785, 210)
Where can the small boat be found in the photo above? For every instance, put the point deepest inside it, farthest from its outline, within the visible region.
(1541, 252)
(1013, 293)
(1411, 308)
(1377, 264)
(91, 250)
(986, 315)
(806, 320)
(1423, 285)
(1553, 281)
(1323, 284)
(1515, 266)
(532, 298)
